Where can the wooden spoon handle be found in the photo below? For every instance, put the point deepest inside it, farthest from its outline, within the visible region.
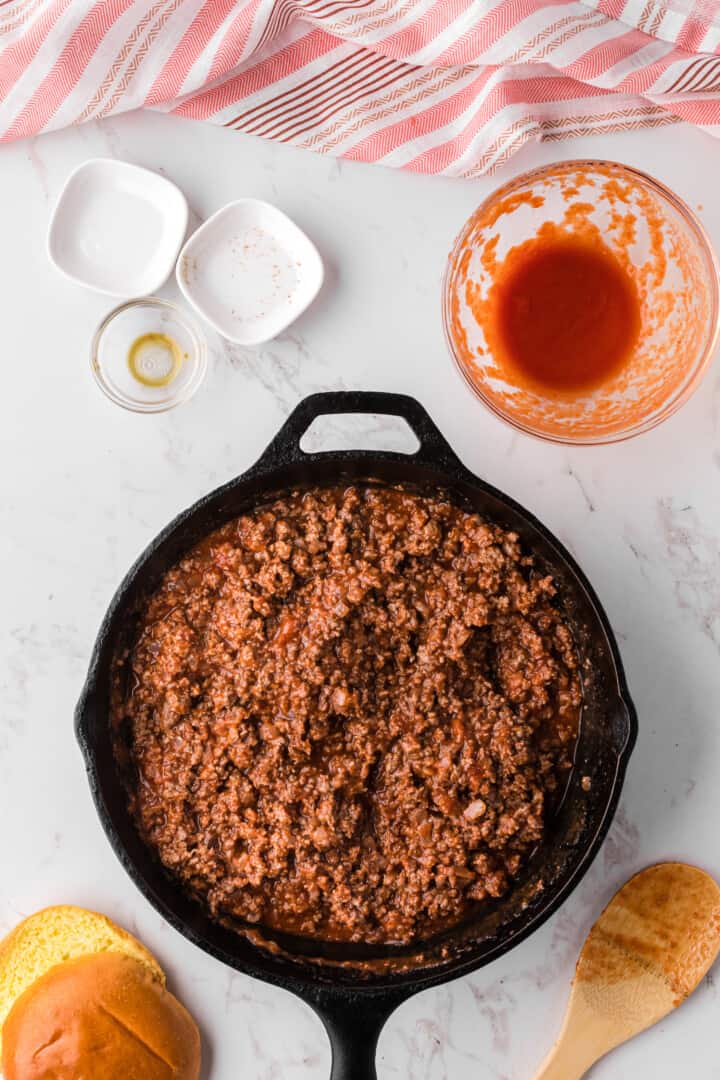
(565, 1062)
(579, 1045)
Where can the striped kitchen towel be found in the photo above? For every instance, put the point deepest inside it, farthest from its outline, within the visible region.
(437, 86)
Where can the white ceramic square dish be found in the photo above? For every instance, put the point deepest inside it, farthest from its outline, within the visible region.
(117, 228)
(249, 271)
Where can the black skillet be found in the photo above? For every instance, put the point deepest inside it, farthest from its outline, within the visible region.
(354, 988)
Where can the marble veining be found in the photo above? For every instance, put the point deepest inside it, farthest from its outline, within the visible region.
(85, 486)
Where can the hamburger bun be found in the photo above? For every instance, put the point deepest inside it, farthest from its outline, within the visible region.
(100, 1017)
(55, 935)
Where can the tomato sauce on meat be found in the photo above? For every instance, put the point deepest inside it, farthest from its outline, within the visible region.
(350, 714)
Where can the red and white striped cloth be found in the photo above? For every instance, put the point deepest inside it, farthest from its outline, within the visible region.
(438, 86)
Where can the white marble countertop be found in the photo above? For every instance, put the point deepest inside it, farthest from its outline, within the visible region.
(85, 486)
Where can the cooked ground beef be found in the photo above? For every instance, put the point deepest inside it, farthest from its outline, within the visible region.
(350, 713)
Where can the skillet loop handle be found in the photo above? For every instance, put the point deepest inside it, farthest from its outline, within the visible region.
(285, 449)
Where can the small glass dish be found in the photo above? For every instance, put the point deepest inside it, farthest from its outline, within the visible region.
(148, 355)
(660, 244)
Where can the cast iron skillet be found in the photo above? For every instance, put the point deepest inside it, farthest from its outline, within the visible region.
(354, 988)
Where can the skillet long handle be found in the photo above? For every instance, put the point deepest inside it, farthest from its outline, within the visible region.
(353, 1024)
(353, 1052)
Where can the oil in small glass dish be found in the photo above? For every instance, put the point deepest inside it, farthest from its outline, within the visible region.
(149, 356)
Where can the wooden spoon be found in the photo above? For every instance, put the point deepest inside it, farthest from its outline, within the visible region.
(649, 949)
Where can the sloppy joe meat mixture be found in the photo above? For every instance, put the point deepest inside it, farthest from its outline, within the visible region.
(350, 714)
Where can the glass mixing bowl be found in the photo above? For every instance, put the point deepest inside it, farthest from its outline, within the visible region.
(661, 245)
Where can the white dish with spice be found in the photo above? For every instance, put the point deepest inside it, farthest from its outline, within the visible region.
(249, 271)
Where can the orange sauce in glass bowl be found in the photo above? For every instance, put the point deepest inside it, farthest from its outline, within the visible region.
(563, 313)
(581, 302)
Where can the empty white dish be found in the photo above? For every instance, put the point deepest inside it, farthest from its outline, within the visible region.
(249, 271)
(117, 228)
